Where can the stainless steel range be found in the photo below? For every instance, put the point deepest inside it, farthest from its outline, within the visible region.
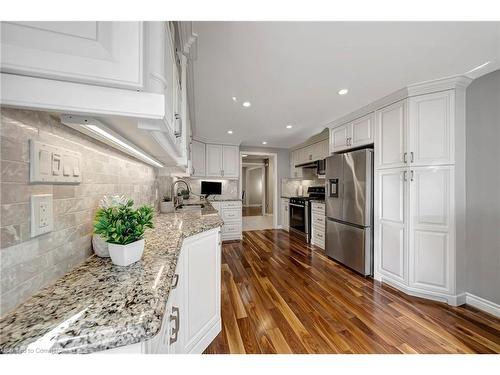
(300, 211)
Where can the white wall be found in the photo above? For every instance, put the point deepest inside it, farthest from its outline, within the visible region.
(483, 188)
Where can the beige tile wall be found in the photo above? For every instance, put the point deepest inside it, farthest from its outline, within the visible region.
(28, 264)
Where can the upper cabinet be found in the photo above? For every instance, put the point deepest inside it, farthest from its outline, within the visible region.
(100, 53)
(417, 131)
(391, 135)
(431, 128)
(230, 161)
(215, 160)
(313, 152)
(354, 134)
(198, 158)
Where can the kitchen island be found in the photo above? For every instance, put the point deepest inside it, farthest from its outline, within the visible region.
(99, 306)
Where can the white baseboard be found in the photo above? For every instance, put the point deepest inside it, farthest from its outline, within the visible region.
(482, 304)
(279, 227)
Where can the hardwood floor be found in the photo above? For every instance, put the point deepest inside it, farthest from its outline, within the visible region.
(252, 211)
(282, 296)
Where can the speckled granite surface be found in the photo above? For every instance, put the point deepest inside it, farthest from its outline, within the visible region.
(99, 306)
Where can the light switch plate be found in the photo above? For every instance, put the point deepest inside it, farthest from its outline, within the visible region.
(51, 164)
(42, 216)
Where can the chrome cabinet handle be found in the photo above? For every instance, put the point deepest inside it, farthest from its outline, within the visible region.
(411, 176)
(176, 281)
(175, 318)
(411, 157)
(404, 176)
(178, 133)
(404, 157)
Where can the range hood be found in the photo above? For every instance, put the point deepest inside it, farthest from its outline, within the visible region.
(319, 165)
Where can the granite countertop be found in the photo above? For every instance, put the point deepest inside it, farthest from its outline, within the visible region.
(98, 305)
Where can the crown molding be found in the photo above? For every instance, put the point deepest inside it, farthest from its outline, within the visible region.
(459, 82)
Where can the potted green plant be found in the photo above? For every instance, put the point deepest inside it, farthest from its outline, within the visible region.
(99, 244)
(166, 205)
(123, 229)
(185, 194)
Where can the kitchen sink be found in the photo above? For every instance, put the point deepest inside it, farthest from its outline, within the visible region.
(190, 207)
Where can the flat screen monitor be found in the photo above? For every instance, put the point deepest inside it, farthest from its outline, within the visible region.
(211, 188)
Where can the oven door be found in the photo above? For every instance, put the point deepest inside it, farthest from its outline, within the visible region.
(298, 222)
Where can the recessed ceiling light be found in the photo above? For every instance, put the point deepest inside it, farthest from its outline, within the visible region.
(343, 91)
(244, 155)
(246, 104)
(264, 142)
(289, 126)
(229, 132)
(234, 99)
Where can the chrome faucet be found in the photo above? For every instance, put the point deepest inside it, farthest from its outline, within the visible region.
(173, 194)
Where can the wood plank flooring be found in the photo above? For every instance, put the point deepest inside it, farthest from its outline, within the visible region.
(282, 296)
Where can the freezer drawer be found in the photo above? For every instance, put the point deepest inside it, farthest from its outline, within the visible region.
(350, 245)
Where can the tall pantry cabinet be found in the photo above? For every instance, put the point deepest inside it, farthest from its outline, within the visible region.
(420, 191)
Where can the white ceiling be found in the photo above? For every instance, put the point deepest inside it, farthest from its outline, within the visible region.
(291, 71)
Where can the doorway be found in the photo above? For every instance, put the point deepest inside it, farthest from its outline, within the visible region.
(258, 189)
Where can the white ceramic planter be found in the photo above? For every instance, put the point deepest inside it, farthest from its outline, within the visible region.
(125, 255)
(100, 246)
(166, 207)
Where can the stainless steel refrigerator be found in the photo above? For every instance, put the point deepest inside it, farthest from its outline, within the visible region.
(349, 209)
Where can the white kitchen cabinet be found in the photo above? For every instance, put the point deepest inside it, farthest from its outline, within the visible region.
(230, 161)
(391, 136)
(192, 317)
(361, 131)
(201, 315)
(432, 228)
(222, 161)
(214, 160)
(285, 214)
(339, 138)
(94, 52)
(198, 158)
(318, 224)
(391, 196)
(354, 134)
(431, 129)
(294, 160)
(231, 213)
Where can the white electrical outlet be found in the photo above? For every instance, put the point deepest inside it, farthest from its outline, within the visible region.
(42, 220)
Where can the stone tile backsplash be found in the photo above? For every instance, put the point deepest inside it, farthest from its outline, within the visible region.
(291, 187)
(28, 264)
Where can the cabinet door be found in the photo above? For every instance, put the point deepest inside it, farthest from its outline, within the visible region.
(390, 214)
(323, 149)
(309, 152)
(338, 138)
(214, 160)
(431, 120)
(432, 228)
(294, 160)
(361, 131)
(198, 158)
(284, 214)
(391, 136)
(230, 161)
(202, 267)
(100, 53)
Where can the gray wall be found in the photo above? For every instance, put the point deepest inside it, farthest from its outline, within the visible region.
(483, 187)
(28, 264)
(283, 166)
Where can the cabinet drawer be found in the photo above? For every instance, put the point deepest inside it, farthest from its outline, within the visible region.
(318, 206)
(231, 214)
(319, 235)
(318, 220)
(231, 204)
(231, 228)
